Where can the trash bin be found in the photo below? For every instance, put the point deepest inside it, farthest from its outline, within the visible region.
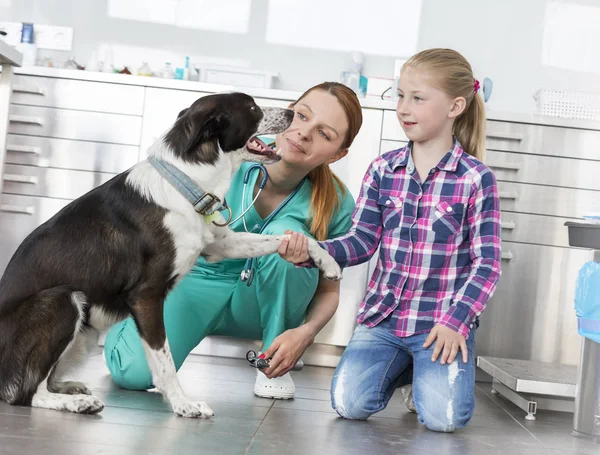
(586, 420)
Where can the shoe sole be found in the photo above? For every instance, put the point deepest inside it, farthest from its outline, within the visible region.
(274, 395)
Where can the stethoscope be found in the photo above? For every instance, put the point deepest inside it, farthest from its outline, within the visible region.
(247, 274)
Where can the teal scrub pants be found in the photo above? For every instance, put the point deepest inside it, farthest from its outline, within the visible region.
(214, 301)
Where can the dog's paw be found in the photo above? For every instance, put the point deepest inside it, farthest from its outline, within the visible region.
(321, 258)
(69, 388)
(331, 270)
(197, 409)
(84, 404)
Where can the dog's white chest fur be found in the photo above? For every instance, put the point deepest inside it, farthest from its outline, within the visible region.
(190, 231)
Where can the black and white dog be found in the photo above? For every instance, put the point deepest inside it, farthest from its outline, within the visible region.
(118, 250)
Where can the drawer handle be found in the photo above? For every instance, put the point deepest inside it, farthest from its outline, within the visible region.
(33, 90)
(24, 149)
(505, 136)
(506, 256)
(20, 178)
(26, 119)
(507, 195)
(508, 167)
(17, 209)
(508, 225)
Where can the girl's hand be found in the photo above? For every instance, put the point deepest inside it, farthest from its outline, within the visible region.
(448, 343)
(286, 350)
(294, 250)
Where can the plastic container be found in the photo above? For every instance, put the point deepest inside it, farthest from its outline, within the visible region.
(587, 301)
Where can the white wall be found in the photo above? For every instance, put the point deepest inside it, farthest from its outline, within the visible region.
(503, 39)
(299, 67)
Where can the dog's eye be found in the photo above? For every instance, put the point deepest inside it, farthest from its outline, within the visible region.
(253, 108)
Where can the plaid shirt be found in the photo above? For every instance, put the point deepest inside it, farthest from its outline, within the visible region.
(439, 256)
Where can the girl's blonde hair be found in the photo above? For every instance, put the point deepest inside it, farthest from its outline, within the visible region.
(454, 75)
(325, 199)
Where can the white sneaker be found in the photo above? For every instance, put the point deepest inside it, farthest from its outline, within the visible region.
(282, 388)
(408, 397)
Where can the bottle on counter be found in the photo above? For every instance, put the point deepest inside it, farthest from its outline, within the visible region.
(167, 72)
(353, 78)
(144, 70)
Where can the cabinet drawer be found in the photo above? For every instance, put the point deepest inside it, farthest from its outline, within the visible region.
(537, 229)
(66, 124)
(543, 140)
(49, 182)
(547, 200)
(391, 129)
(531, 314)
(81, 95)
(67, 154)
(19, 215)
(545, 170)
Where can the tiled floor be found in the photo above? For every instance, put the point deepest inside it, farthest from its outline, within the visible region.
(141, 422)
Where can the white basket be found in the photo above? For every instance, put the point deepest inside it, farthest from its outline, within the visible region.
(564, 104)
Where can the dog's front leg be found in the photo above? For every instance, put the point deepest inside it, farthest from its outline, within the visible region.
(240, 245)
(148, 315)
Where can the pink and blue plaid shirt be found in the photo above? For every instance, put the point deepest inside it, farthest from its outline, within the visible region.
(439, 242)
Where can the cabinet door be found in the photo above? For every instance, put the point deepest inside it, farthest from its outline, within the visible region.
(79, 95)
(77, 125)
(353, 286)
(19, 215)
(68, 154)
(49, 182)
(531, 315)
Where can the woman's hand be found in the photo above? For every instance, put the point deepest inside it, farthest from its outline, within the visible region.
(294, 250)
(286, 350)
(449, 342)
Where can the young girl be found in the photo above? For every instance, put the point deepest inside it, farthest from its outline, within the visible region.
(432, 208)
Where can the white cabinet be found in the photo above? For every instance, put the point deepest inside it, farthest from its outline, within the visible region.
(353, 286)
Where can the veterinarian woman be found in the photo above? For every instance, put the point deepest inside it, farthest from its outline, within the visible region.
(282, 305)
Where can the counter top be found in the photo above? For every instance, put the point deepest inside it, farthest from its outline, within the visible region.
(368, 103)
(9, 55)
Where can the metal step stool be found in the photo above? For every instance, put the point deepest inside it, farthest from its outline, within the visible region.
(532, 385)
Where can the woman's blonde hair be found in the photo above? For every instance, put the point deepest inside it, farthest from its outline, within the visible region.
(454, 75)
(325, 199)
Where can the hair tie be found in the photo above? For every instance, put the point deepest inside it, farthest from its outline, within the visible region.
(476, 85)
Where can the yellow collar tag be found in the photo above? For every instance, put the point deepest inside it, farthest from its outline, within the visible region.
(216, 216)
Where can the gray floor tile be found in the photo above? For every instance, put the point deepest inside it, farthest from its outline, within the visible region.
(142, 422)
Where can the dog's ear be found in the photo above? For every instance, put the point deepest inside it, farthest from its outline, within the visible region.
(182, 112)
(203, 129)
(194, 135)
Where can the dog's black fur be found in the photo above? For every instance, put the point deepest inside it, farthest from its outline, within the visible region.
(107, 250)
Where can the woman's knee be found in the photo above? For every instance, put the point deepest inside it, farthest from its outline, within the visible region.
(125, 357)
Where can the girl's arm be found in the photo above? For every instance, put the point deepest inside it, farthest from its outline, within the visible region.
(362, 240)
(483, 216)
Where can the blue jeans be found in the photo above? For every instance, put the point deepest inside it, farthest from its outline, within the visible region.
(376, 362)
